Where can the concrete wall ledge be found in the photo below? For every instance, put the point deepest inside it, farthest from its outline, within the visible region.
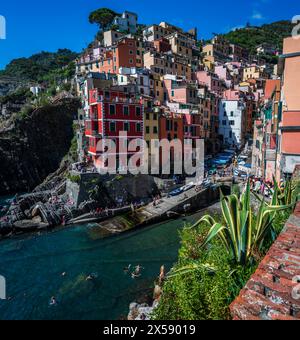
(273, 291)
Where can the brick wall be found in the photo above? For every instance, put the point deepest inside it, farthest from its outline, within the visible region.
(273, 291)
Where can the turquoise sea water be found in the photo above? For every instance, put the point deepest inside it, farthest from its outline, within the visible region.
(33, 267)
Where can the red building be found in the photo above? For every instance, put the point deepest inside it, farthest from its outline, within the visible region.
(110, 113)
(171, 127)
(162, 45)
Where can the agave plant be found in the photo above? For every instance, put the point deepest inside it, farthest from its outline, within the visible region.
(240, 233)
(191, 268)
(285, 195)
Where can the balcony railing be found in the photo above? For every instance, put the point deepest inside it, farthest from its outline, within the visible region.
(102, 98)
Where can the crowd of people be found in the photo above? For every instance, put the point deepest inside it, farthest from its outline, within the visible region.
(263, 187)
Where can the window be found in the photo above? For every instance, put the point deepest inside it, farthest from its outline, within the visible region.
(231, 122)
(172, 93)
(147, 116)
(112, 127)
(230, 134)
(130, 61)
(137, 110)
(126, 126)
(147, 129)
(112, 109)
(155, 129)
(231, 113)
(138, 127)
(169, 126)
(154, 116)
(224, 122)
(130, 52)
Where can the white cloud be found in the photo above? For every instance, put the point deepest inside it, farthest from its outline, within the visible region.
(257, 15)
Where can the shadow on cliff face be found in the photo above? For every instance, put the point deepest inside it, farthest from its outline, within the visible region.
(33, 147)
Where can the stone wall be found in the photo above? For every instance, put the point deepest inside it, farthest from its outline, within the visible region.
(273, 291)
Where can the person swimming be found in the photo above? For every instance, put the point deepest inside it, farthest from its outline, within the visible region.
(137, 271)
(127, 269)
(89, 278)
(53, 301)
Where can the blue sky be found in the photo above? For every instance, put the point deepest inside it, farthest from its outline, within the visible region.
(35, 25)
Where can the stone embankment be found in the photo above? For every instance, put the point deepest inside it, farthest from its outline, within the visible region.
(273, 291)
(63, 201)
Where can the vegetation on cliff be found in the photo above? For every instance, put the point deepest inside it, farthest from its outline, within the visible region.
(42, 67)
(251, 36)
(33, 144)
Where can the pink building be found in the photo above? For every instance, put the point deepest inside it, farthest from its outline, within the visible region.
(180, 91)
(211, 80)
(290, 123)
(231, 95)
(222, 72)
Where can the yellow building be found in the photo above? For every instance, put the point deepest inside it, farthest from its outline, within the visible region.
(162, 64)
(252, 72)
(151, 125)
(158, 88)
(181, 44)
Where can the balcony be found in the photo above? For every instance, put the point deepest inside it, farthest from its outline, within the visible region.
(96, 97)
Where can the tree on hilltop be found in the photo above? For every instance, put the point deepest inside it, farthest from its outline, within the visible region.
(103, 17)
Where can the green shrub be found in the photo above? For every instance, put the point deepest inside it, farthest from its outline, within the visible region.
(208, 277)
(201, 294)
(74, 178)
(26, 111)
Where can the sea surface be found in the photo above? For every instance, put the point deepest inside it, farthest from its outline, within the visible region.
(33, 266)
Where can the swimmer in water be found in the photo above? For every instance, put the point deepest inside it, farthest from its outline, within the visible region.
(126, 269)
(63, 274)
(53, 301)
(137, 272)
(134, 276)
(89, 278)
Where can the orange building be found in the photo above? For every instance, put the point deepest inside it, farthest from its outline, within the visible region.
(123, 55)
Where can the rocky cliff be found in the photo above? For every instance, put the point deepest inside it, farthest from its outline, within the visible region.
(32, 146)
